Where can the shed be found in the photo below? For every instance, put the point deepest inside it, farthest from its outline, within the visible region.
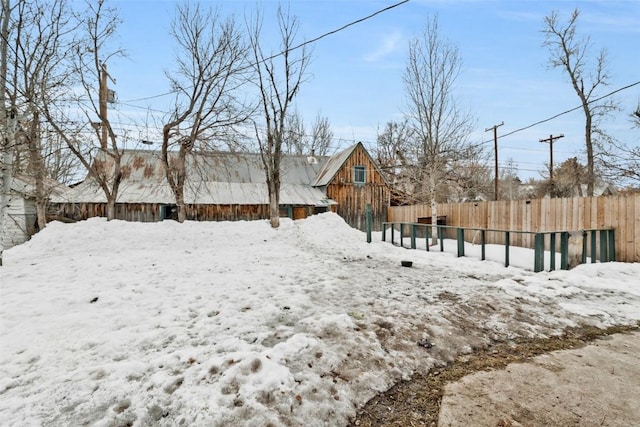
(353, 179)
(232, 186)
(219, 186)
(21, 221)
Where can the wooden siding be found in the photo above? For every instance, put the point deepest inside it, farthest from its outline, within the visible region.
(622, 213)
(352, 198)
(143, 212)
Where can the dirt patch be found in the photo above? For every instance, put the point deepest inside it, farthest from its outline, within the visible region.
(417, 402)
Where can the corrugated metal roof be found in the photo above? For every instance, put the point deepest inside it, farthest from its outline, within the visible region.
(332, 167)
(26, 185)
(216, 178)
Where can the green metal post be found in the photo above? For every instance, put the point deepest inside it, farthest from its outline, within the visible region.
(440, 238)
(384, 231)
(552, 250)
(413, 236)
(593, 246)
(482, 242)
(402, 234)
(393, 232)
(604, 253)
(368, 214)
(427, 236)
(460, 239)
(506, 248)
(612, 246)
(564, 250)
(538, 257)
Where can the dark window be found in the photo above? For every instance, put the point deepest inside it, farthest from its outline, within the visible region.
(359, 174)
(169, 212)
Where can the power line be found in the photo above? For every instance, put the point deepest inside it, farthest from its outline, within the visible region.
(301, 45)
(567, 111)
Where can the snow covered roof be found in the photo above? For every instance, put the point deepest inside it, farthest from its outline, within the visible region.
(212, 178)
(26, 185)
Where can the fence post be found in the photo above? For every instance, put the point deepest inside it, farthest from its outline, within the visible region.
(413, 236)
(538, 257)
(402, 234)
(460, 239)
(594, 256)
(367, 210)
(604, 253)
(393, 231)
(612, 246)
(482, 242)
(440, 238)
(384, 231)
(552, 250)
(564, 250)
(427, 232)
(506, 248)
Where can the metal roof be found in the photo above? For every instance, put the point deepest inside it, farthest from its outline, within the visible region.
(336, 162)
(212, 178)
(332, 167)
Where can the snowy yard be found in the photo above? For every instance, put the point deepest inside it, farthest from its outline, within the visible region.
(234, 323)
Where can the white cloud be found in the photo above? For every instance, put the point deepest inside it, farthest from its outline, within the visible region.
(389, 44)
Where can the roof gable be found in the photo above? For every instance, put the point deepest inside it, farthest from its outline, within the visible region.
(335, 163)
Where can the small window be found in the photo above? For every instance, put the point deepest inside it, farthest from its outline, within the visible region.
(359, 174)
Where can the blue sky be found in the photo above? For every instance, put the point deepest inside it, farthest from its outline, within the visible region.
(356, 74)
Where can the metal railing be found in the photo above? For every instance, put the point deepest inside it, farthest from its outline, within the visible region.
(604, 251)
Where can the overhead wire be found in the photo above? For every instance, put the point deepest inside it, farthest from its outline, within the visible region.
(299, 46)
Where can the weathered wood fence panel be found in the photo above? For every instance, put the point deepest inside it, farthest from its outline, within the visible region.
(622, 213)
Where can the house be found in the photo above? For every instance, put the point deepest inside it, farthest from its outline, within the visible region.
(232, 186)
(21, 214)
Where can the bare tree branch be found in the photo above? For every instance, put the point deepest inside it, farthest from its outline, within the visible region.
(569, 52)
(211, 64)
(278, 79)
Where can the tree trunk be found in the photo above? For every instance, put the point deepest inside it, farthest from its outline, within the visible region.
(590, 167)
(111, 208)
(434, 209)
(182, 212)
(274, 204)
(38, 170)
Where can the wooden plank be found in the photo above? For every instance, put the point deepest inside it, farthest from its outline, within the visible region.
(636, 227)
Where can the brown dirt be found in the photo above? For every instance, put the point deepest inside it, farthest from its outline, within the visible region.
(417, 402)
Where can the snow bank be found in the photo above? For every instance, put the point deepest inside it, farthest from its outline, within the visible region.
(235, 323)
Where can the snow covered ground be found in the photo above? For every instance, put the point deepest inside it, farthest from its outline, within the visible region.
(235, 323)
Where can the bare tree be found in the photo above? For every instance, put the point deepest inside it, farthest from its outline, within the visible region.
(297, 141)
(441, 128)
(571, 53)
(210, 61)
(295, 138)
(9, 117)
(41, 41)
(321, 136)
(278, 77)
(101, 156)
(394, 156)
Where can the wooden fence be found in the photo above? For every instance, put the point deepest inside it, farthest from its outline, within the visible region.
(622, 213)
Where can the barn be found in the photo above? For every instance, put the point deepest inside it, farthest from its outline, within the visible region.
(232, 186)
(21, 214)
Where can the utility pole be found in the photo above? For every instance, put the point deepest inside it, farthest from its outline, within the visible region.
(103, 94)
(550, 141)
(495, 147)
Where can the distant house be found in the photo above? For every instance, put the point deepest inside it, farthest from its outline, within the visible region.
(21, 221)
(232, 186)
